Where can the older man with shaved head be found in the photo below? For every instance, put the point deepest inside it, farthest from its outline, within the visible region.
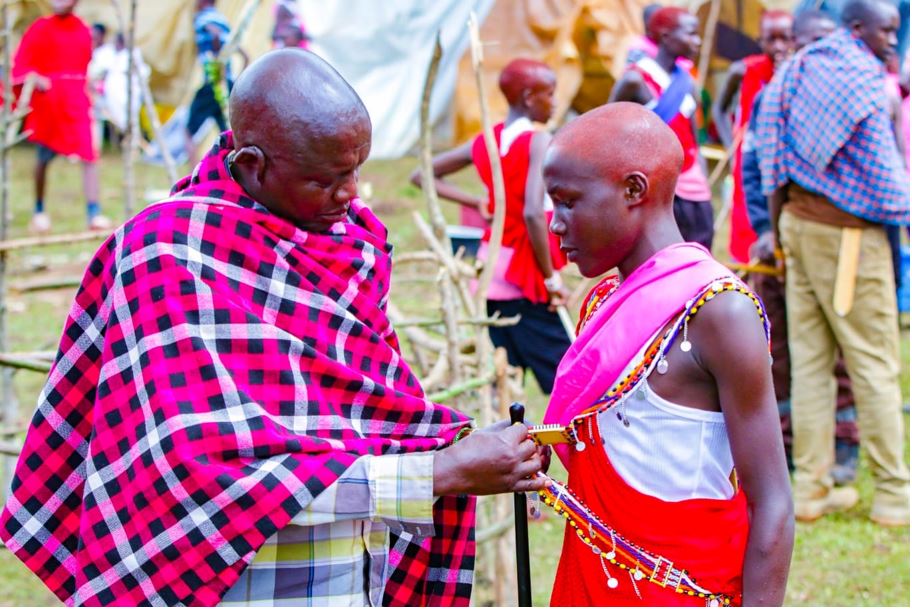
(229, 418)
(835, 179)
(666, 391)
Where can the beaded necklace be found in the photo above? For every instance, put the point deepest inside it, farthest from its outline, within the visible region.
(625, 555)
(596, 298)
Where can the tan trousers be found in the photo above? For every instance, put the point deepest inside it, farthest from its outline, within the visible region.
(869, 338)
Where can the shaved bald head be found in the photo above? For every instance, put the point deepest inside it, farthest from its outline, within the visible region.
(620, 138)
(519, 75)
(301, 134)
(290, 95)
(611, 174)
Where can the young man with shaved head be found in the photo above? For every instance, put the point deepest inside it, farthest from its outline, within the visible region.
(665, 393)
(663, 86)
(526, 280)
(834, 178)
(745, 79)
(230, 418)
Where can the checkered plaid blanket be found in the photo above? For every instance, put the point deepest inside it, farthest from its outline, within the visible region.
(219, 369)
(824, 123)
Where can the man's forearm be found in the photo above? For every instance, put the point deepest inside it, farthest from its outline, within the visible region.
(538, 235)
(769, 553)
(774, 202)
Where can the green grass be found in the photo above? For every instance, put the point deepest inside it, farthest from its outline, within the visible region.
(839, 560)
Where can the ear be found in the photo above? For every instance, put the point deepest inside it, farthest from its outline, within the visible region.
(526, 94)
(636, 186)
(855, 27)
(248, 164)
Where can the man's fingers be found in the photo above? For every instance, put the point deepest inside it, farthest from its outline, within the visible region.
(526, 485)
(529, 467)
(516, 432)
(527, 448)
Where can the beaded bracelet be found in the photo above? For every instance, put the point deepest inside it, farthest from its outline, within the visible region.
(462, 433)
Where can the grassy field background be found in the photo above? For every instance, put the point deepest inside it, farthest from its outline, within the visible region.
(842, 560)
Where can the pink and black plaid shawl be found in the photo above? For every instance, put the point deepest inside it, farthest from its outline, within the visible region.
(218, 370)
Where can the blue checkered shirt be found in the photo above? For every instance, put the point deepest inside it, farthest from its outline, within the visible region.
(335, 552)
(824, 123)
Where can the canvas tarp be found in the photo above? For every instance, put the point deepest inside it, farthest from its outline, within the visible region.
(383, 50)
(584, 41)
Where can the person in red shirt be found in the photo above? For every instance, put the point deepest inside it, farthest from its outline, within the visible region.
(748, 76)
(526, 280)
(663, 86)
(55, 52)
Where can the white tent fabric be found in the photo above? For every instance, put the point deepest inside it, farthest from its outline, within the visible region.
(383, 50)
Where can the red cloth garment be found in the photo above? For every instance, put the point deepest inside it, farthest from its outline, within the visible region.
(523, 270)
(706, 537)
(218, 370)
(757, 73)
(60, 48)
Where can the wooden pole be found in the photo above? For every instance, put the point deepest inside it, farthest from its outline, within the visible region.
(498, 505)
(709, 35)
(10, 406)
(149, 102)
(438, 223)
(500, 198)
(131, 138)
(7, 245)
(228, 49)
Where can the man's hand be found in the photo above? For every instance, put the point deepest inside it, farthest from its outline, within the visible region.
(558, 298)
(482, 205)
(42, 83)
(497, 459)
(763, 248)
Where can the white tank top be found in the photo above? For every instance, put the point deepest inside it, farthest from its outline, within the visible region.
(669, 451)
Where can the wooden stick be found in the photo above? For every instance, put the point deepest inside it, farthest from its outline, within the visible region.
(447, 260)
(438, 372)
(11, 449)
(149, 103)
(727, 156)
(494, 531)
(450, 323)
(709, 34)
(14, 119)
(483, 348)
(754, 267)
(24, 364)
(497, 322)
(428, 184)
(47, 356)
(10, 405)
(131, 136)
(500, 198)
(46, 284)
(564, 315)
(46, 240)
(237, 33)
(155, 121)
(461, 388)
